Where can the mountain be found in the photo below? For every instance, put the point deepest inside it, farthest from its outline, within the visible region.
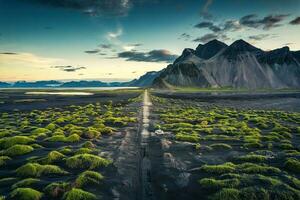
(144, 81)
(4, 84)
(239, 65)
(37, 84)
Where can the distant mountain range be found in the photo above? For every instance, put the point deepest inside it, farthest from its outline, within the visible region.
(215, 65)
(144, 81)
(239, 65)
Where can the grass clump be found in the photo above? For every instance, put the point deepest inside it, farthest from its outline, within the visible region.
(214, 184)
(86, 161)
(78, 194)
(3, 160)
(61, 138)
(221, 146)
(227, 194)
(37, 170)
(91, 133)
(25, 194)
(88, 144)
(18, 150)
(254, 168)
(187, 138)
(25, 183)
(252, 158)
(219, 169)
(52, 157)
(292, 165)
(89, 178)
(10, 141)
(57, 189)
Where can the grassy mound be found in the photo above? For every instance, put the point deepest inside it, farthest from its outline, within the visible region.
(88, 178)
(91, 133)
(252, 158)
(86, 161)
(227, 194)
(187, 138)
(52, 157)
(10, 141)
(62, 138)
(221, 146)
(57, 190)
(37, 170)
(214, 184)
(25, 194)
(78, 194)
(18, 150)
(219, 169)
(25, 183)
(88, 144)
(3, 160)
(292, 165)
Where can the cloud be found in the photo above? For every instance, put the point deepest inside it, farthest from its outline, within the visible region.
(131, 47)
(114, 35)
(68, 68)
(92, 7)
(204, 10)
(268, 22)
(208, 25)
(25, 59)
(92, 51)
(185, 36)
(8, 53)
(206, 38)
(151, 56)
(105, 46)
(259, 37)
(295, 21)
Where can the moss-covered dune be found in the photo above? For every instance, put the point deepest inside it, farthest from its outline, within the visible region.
(37, 170)
(86, 161)
(25, 194)
(88, 178)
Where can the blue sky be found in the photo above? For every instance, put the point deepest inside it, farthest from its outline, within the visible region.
(118, 40)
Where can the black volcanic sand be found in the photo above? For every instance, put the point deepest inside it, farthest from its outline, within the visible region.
(176, 162)
(288, 101)
(120, 146)
(177, 154)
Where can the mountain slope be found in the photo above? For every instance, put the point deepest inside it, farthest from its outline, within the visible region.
(239, 65)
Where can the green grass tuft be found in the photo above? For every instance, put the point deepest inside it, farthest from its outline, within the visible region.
(52, 157)
(57, 189)
(17, 150)
(86, 161)
(219, 169)
(292, 165)
(25, 183)
(37, 170)
(3, 160)
(88, 178)
(10, 141)
(221, 146)
(227, 194)
(78, 194)
(26, 194)
(187, 138)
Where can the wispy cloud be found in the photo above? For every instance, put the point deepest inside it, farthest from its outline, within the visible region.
(205, 9)
(68, 68)
(161, 55)
(92, 51)
(13, 58)
(91, 7)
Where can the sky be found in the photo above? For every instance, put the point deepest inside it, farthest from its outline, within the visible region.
(119, 40)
